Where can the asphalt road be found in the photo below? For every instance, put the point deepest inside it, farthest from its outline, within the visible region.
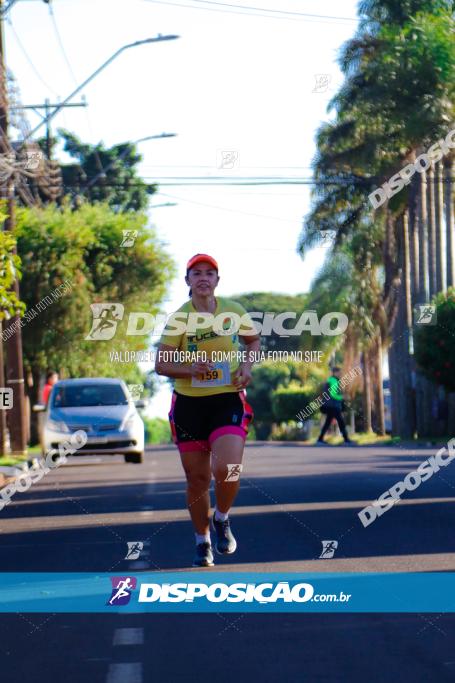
(81, 516)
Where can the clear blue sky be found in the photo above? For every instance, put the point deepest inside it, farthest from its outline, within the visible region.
(235, 81)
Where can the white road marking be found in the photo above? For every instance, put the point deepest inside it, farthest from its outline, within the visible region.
(148, 495)
(130, 672)
(128, 636)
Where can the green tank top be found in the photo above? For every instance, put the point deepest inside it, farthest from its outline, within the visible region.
(334, 388)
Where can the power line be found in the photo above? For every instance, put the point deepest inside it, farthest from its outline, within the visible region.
(240, 183)
(224, 208)
(157, 178)
(30, 62)
(61, 44)
(202, 183)
(219, 181)
(273, 11)
(211, 166)
(259, 12)
(73, 76)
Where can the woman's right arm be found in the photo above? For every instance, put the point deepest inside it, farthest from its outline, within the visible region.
(170, 368)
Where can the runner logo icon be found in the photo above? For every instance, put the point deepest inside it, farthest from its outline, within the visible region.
(121, 589)
(425, 314)
(134, 550)
(106, 317)
(129, 238)
(233, 472)
(322, 82)
(328, 550)
(135, 391)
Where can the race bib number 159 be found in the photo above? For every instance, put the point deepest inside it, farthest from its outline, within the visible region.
(219, 376)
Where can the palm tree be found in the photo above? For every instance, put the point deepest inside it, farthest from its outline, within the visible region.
(397, 99)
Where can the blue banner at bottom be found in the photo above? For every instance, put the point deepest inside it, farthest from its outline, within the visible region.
(226, 592)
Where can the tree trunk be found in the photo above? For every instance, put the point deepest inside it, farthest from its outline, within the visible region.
(411, 294)
(380, 416)
(391, 355)
(432, 286)
(439, 214)
(366, 391)
(426, 393)
(425, 390)
(423, 296)
(400, 361)
(406, 270)
(34, 397)
(414, 239)
(450, 227)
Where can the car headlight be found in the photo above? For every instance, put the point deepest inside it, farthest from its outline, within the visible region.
(129, 422)
(57, 426)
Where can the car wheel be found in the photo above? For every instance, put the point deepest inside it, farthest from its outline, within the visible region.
(136, 458)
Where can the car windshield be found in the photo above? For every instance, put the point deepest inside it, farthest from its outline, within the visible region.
(85, 395)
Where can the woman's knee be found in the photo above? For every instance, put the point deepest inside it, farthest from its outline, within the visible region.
(198, 481)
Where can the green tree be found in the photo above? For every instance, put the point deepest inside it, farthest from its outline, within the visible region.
(118, 182)
(157, 430)
(396, 100)
(434, 344)
(82, 248)
(10, 268)
(266, 378)
(271, 378)
(273, 302)
(288, 401)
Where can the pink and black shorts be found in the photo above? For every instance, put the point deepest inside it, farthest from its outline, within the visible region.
(197, 421)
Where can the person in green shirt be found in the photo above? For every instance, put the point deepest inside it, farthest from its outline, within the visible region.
(334, 406)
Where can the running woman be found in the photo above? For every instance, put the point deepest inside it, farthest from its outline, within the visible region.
(209, 413)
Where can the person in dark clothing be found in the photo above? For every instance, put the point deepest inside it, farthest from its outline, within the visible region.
(334, 406)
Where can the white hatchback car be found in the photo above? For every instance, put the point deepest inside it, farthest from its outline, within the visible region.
(103, 408)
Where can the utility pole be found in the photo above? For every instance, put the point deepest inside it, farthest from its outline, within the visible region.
(15, 374)
(48, 107)
(14, 368)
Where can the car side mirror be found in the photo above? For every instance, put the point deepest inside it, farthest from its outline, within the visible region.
(39, 408)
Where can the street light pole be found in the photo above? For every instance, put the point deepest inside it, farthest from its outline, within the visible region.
(55, 111)
(15, 374)
(4, 10)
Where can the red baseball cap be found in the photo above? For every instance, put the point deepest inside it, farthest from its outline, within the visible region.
(199, 258)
